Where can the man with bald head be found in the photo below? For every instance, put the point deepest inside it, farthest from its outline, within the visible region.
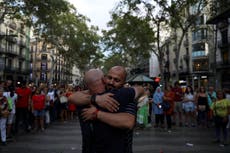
(93, 81)
(112, 131)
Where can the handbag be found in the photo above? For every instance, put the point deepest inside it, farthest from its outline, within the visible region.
(166, 105)
(201, 107)
(63, 99)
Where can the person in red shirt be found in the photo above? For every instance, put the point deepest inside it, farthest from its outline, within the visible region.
(169, 97)
(38, 109)
(178, 97)
(71, 106)
(23, 106)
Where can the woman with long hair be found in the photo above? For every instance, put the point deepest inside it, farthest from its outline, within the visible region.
(202, 107)
(189, 106)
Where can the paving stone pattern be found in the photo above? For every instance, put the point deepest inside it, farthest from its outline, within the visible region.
(66, 138)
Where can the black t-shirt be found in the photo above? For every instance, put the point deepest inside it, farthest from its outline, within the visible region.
(109, 139)
(86, 132)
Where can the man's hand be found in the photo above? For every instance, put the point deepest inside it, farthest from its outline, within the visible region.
(89, 113)
(106, 101)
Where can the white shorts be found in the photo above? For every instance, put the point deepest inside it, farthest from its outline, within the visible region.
(189, 107)
(10, 118)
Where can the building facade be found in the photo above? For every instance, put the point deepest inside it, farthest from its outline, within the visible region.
(14, 50)
(220, 17)
(196, 58)
(47, 65)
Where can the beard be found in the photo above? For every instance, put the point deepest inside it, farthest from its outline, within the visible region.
(110, 86)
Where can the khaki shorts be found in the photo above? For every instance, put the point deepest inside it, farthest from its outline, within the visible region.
(178, 107)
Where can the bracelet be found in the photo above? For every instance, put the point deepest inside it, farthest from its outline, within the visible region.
(95, 113)
(93, 99)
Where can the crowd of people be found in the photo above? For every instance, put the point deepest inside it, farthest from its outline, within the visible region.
(114, 107)
(188, 108)
(27, 107)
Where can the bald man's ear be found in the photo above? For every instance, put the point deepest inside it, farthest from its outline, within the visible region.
(103, 79)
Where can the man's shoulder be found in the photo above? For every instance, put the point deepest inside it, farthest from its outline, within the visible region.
(123, 90)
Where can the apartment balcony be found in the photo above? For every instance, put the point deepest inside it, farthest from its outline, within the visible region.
(2, 35)
(11, 52)
(199, 55)
(2, 50)
(222, 44)
(220, 14)
(13, 25)
(11, 38)
(184, 72)
(223, 65)
(22, 43)
(21, 57)
(39, 59)
(24, 71)
(200, 70)
(23, 31)
(10, 69)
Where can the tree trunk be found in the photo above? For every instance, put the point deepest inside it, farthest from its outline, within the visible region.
(178, 54)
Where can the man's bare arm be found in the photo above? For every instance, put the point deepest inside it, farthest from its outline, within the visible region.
(105, 101)
(118, 120)
(139, 91)
(80, 98)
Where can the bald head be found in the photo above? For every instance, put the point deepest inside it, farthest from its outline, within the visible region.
(93, 75)
(116, 77)
(94, 80)
(119, 69)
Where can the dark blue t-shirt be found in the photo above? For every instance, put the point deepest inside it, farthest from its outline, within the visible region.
(109, 139)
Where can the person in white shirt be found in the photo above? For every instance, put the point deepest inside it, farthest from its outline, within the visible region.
(12, 99)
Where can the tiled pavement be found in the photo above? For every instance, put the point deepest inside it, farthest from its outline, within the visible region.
(66, 138)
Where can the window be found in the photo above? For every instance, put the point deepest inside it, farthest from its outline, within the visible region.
(198, 47)
(200, 65)
(199, 34)
(9, 64)
(43, 76)
(43, 66)
(224, 36)
(20, 51)
(44, 57)
(20, 65)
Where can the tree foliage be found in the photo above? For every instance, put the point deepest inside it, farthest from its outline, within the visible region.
(129, 36)
(58, 23)
(162, 15)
